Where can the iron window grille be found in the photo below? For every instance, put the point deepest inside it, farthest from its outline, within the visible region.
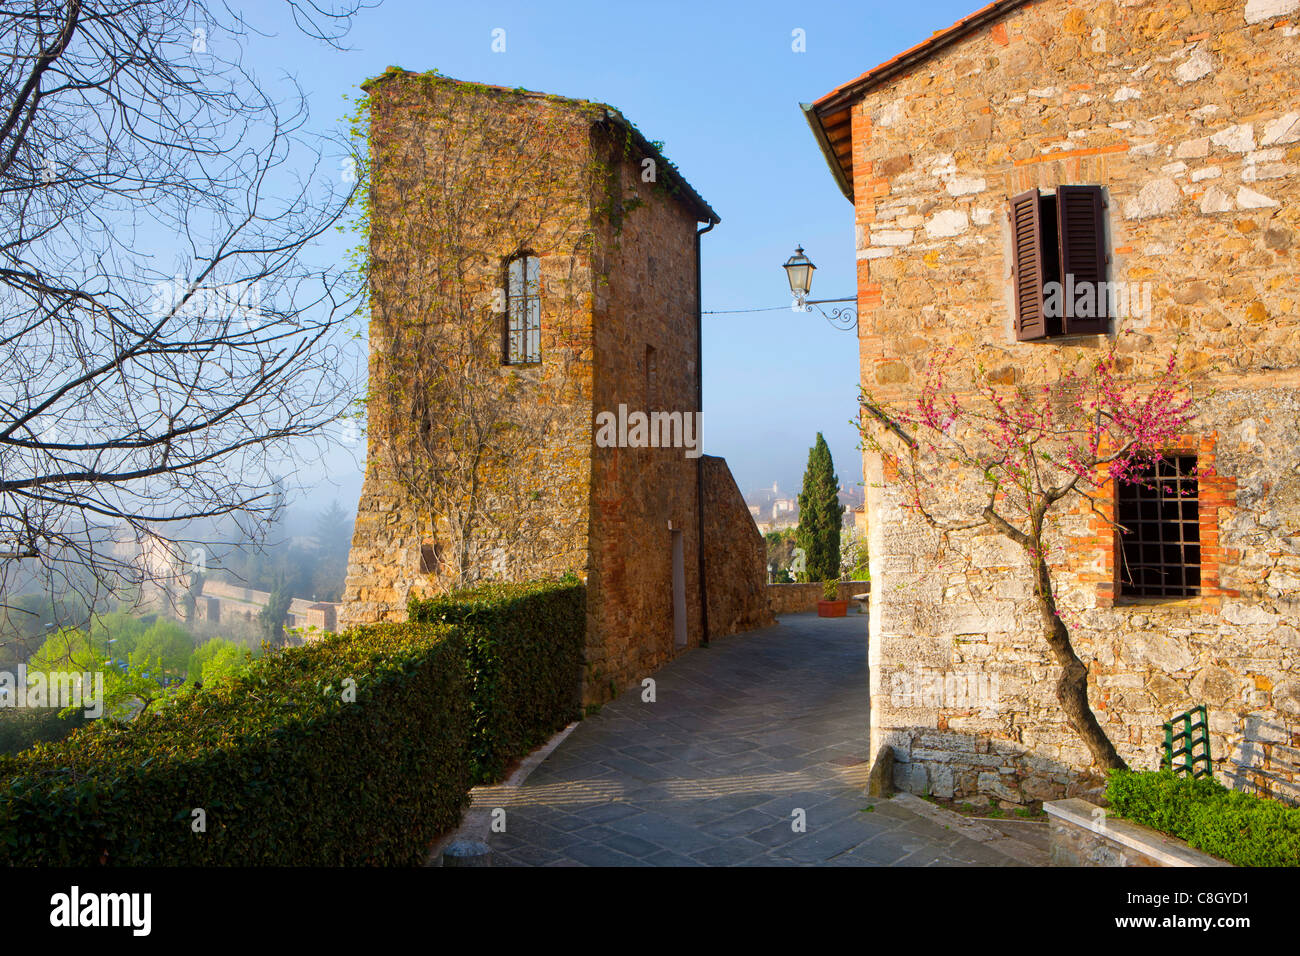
(1160, 531)
(523, 311)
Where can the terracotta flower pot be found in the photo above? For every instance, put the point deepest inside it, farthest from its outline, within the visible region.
(832, 608)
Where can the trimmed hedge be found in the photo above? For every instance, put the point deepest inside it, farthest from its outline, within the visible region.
(524, 653)
(1238, 827)
(20, 729)
(286, 770)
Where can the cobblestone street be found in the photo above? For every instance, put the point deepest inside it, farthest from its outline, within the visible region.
(742, 736)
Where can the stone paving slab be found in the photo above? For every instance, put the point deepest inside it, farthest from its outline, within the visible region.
(742, 736)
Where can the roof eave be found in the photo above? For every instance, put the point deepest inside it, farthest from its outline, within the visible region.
(703, 211)
(819, 134)
(846, 95)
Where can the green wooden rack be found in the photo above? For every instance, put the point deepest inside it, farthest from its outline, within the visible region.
(1187, 735)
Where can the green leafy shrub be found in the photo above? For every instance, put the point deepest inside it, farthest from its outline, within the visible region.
(524, 650)
(20, 728)
(217, 659)
(1238, 827)
(286, 769)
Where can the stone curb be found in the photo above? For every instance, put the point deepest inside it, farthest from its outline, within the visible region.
(476, 825)
(972, 829)
(1160, 847)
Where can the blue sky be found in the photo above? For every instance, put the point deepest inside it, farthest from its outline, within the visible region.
(720, 85)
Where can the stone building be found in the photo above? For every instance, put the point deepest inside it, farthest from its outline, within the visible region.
(565, 437)
(1180, 122)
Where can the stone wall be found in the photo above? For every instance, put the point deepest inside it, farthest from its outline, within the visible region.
(618, 292)
(802, 598)
(1186, 114)
(450, 170)
(639, 496)
(735, 556)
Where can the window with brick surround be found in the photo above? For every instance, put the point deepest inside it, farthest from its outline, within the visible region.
(1059, 263)
(523, 332)
(1159, 537)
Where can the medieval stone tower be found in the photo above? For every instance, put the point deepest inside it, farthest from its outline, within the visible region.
(534, 266)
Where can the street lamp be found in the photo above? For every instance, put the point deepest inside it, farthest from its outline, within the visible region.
(799, 270)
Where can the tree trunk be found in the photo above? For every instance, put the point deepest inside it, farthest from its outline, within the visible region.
(1072, 688)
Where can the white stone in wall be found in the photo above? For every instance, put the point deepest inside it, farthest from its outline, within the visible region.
(1203, 113)
(1173, 169)
(1193, 149)
(1264, 728)
(1235, 139)
(1258, 11)
(966, 186)
(1283, 130)
(891, 237)
(946, 224)
(1249, 199)
(1156, 198)
(1245, 614)
(1196, 66)
(942, 164)
(1165, 653)
(1206, 172)
(890, 211)
(875, 253)
(1126, 93)
(1046, 92)
(1282, 581)
(888, 115)
(1269, 171)
(982, 216)
(1286, 698)
(1266, 155)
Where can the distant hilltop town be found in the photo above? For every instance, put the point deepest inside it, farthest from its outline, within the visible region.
(776, 510)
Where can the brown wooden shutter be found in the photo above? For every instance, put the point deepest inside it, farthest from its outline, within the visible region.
(1027, 265)
(1082, 231)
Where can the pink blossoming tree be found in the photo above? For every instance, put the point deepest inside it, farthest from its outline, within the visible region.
(1014, 453)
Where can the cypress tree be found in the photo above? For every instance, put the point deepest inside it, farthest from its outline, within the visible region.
(820, 514)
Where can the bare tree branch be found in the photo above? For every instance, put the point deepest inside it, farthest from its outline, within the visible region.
(167, 350)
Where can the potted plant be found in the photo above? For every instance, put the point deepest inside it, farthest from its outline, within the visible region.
(831, 606)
